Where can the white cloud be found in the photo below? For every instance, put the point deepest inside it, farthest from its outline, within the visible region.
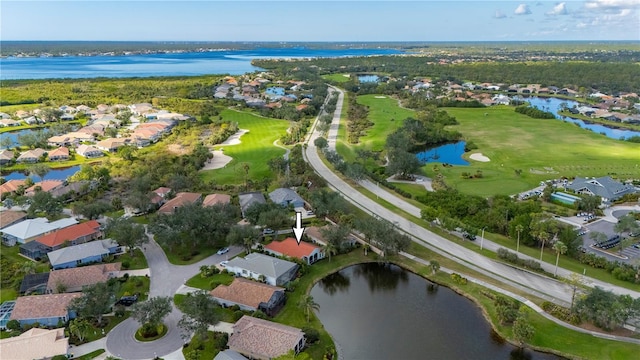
(612, 4)
(522, 9)
(500, 15)
(559, 9)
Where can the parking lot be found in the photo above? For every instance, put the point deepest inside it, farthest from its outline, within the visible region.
(607, 228)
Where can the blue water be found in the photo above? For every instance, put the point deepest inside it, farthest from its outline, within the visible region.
(13, 135)
(234, 62)
(368, 78)
(449, 153)
(553, 105)
(53, 174)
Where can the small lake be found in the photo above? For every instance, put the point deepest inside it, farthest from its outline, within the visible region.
(53, 174)
(368, 78)
(554, 105)
(380, 311)
(449, 153)
(13, 135)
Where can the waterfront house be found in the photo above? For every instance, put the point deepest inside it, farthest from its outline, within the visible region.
(264, 340)
(87, 253)
(89, 151)
(304, 251)
(31, 156)
(11, 186)
(271, 270)
(47, 310)
(59, 140)
(45, 185)
(250, 295)
(30, 229)
(59, 154)
(75, 279)
(111, 144)
(9, 123)
(6, 156)
(35, 343)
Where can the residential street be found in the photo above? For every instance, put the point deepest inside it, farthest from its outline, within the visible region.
(554, 289)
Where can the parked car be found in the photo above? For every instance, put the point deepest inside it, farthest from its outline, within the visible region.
(223, 251)
(268, 231)
(127, 300)
(468, 236)
(224, 263)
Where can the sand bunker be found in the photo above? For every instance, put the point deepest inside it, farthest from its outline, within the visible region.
(381, 97)
(219, 161)
(479, 157)
(235, 138)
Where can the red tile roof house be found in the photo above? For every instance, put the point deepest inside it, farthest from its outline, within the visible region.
(75, 279)
(304, 251)
(251, 296)
(48, 310)
(71, 235)
(35, 344)
(11, 186)
(59, 154)
(264, 340)
(213, 199)
(46, 186)
(181, 199)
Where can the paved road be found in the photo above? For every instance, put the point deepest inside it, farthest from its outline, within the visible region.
(166, 279)
(555, 290)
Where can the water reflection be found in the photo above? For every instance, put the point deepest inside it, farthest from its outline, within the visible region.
(381, 276)
(335, 282)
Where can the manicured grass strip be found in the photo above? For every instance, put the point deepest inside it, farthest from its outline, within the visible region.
(137, 261)
(91, 355)
(386, 116)
(208, 283)
(176, 256)
(255, 149)
(7, 294)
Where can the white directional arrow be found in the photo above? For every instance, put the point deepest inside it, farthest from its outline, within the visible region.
(298, 229)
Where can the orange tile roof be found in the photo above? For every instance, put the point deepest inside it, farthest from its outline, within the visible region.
(8, 217)
(213, 199)
(46, 185)
(11, 186)
(181, 199)
(70, 233)
(246, 292)
(61, 151)
(290, 247)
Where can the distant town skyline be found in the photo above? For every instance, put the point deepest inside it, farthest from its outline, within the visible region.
(327, 20)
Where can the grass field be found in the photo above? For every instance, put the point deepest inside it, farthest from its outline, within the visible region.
(542, 149)
(337, 78)
(256, 148)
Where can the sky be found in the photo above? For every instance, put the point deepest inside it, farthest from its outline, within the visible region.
(323, 20)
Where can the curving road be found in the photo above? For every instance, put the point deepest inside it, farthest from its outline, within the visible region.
(534, 283)
(166, 278)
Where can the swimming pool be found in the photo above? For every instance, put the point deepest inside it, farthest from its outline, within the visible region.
(564, 198)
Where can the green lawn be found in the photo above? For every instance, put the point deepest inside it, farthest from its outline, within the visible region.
(91, 355)
(135, 285)
(7, 294)
(542, 149)
(386, 116)
(337, 78)
(256, 148)
(206, 283)
(177, 256)
(137, 261)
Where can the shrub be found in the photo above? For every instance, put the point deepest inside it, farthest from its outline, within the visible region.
(311, 334)
(238, 314)
(126, 264)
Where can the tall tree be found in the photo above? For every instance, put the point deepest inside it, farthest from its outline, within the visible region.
(44, 201)
(151, 312)
(560, 248)
(519, 230)
(80, 328)
(199, 312)
(244, 236)
(127, 233)
(308, 305)
(96, 300)
(330, 249)
(626, 223)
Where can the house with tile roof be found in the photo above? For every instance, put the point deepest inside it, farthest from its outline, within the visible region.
(30, 229)
(35, 343)
(87, 253)
(250, 295)
(75, 279)
(6, 156)
(604, 187)
(263, 339)
(213, 199)
(89, 151)
(271, 270)
(45, 185)
(10, 217)
(286, 197)
(9, 123)
(71, 235)
(48, 310)
(110, 144)
(11, 186)
(181, 199)
(229, 355)
(304, 251)
(31, 156)
(59, 154)
(59, 140)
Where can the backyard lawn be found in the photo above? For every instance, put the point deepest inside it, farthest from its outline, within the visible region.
(255, 149)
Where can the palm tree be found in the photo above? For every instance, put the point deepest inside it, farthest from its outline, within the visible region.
(330, 249)
(542, 236)
(79, 328)
(560, 248)
(28, 267)
(248, 243)
(308, 305)
(519, 230)
(435, 266)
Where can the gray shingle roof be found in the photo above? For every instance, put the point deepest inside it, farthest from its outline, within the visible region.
(262, 264)
(248, 199)
(604, 187)
(284, 196)
(78, 252)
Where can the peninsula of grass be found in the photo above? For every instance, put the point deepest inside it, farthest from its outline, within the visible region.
(255, 149)
(541, 149)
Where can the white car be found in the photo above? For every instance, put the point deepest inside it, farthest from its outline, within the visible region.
(223, 251)
(224, 264)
